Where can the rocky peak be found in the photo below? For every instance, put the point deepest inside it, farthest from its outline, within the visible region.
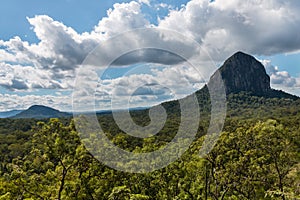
(242, 72)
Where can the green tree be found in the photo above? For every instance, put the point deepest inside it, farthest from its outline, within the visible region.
(252, 160)
(54, 166)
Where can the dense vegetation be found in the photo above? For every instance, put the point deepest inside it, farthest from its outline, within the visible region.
(256, 157)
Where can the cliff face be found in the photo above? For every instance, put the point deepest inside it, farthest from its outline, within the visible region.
(242, 72)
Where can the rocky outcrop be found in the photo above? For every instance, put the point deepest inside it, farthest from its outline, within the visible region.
(242, 72)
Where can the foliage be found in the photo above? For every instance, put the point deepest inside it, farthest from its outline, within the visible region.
(256, 157)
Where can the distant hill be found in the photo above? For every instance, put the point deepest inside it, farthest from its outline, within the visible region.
(9, 113)
(41, 112)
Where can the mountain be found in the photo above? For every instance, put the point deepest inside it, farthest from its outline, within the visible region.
(247, 86)
(243, 73)
(9, 113)
(41, 112)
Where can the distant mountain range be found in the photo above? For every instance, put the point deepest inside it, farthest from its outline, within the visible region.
(240, 73)
(9, 113)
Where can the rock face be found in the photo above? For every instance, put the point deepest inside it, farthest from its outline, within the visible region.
(242, 72)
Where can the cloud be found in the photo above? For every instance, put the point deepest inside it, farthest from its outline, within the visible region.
(61, 49)
(49, 64)
(280, 79)
(139, 89)
(17, 77)
(147, 2)
(163, 6)
(123, 17)
(223, 27)
(59, 46)
(149, 56)
(14, 101)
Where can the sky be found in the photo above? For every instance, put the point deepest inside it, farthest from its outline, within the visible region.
(148, 51)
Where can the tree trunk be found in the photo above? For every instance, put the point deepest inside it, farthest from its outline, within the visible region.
(62, 182)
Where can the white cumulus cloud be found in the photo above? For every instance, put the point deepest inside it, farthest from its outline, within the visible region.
(14, 101)
(281, 79)
(260, 27)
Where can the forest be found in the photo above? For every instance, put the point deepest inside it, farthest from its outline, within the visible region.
(256, 157)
